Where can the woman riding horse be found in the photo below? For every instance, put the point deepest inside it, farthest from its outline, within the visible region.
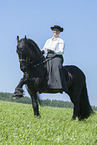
(54, 47)
(32, 63)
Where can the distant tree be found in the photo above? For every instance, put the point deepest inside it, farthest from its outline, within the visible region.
(26, 100)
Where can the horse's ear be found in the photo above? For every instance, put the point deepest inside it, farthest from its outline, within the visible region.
(17, 39)
(25, 37)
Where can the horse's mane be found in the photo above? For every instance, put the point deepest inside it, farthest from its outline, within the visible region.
(31, 42)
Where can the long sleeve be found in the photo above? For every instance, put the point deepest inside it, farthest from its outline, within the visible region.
(55, 44)
(60, 47)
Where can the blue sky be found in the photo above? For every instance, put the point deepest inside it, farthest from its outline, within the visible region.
(34, 19)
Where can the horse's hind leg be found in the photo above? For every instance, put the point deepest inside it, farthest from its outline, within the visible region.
(76, 109)
(85, 107)
(75, 98)
(35, 103)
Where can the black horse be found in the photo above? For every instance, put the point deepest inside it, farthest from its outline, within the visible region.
(33, 64)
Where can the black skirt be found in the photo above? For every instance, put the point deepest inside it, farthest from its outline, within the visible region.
(54, 71)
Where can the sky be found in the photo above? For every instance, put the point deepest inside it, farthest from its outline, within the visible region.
(34, 18)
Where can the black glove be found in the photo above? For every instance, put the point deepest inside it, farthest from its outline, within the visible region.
(42, 51)
(50, 51)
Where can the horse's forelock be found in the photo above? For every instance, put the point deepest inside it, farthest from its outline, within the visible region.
(21, 46)
(21, 43)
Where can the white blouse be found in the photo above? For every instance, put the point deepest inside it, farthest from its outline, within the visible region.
(55, 44)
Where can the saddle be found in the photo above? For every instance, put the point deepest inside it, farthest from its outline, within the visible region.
(68, 76)
(45, 89)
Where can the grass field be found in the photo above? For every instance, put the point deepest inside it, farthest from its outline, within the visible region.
(18, 126)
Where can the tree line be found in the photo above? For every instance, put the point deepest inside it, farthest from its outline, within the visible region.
(27, 100)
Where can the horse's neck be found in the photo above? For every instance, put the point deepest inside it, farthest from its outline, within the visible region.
(37, 67)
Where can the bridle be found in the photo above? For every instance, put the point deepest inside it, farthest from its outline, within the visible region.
(27, 60)
(31, 62)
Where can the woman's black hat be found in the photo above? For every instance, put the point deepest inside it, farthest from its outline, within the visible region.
(57, 27)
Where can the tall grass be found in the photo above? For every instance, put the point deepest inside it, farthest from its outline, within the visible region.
(18, 126)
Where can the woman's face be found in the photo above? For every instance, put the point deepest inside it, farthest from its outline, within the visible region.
(56, 33)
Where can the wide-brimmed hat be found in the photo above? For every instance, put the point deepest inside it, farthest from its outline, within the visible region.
(57, 27)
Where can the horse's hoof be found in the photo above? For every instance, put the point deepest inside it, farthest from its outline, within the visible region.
(14, 98)
(80, 119)
(39, 116)
(17, 96)
(73, 117)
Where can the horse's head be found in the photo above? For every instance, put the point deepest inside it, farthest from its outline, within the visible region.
(21, 48)
(27, 50)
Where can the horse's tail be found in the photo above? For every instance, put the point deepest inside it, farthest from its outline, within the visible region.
(85, 108)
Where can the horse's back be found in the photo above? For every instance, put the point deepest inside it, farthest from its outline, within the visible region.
(74, 70)
(78, 77)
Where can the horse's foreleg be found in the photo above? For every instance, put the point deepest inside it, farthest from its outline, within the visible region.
(21, 83)
(35, 104)
(18, 90)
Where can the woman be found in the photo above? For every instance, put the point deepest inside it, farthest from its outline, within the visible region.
(54, 47)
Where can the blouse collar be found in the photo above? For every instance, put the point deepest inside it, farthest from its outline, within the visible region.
(55, 38)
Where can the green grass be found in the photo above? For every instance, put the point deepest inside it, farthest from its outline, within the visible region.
(18, 126)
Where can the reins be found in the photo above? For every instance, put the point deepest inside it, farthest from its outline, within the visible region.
(20, 60)
(26, 60)
(32, 62)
